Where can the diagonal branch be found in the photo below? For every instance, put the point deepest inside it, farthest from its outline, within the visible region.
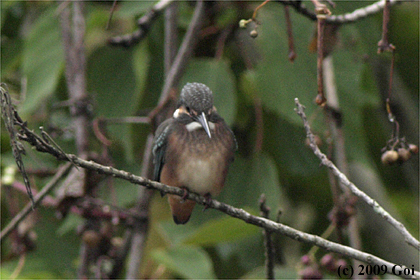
(185, 51)
(38, 198)
(361, 13)
(228, 209)
(340, 19)
(144, 23)
(345, 182)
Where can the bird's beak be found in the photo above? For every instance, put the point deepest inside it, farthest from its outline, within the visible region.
(203, 121)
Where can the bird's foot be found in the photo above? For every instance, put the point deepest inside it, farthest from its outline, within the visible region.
(207, 202)
(185, 195)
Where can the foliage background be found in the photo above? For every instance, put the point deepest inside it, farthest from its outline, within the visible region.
(127, 82)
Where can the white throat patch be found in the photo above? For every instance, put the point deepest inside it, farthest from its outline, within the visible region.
(196, 125)
(176, 114)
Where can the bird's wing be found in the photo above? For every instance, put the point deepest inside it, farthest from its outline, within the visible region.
(159, 147)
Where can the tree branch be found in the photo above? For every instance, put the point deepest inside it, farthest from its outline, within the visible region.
(361, 13)
(37, 200)
(339, 19)
(267, 224)
(345, 182)
(144, 23)
(268, 242)
(185, 51)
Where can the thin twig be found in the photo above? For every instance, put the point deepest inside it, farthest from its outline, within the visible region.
(268, 242)
(73, 28)
(111, 13)
(8, 114)
(292, 53)
(185, 51)
(137, 236)
(321, 12)
(259, 124)
(383, 44)
(334, 118)
(361, 13)
(345, 182)
(37, 200)
(221, 41)
(254, 15)
(171, 35)
(340, 19)
(144, 23)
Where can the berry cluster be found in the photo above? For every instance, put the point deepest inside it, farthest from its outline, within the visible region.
(399, 154)
(313, 270)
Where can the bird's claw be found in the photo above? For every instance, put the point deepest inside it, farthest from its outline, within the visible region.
(185, 195)
(207, 201)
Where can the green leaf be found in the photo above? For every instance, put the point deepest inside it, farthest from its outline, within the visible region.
(189, 262)
(218, 76)
(248, 178)
(112, 80)
(43, 61)
(278, 80)
(69, 224)
(224, 229)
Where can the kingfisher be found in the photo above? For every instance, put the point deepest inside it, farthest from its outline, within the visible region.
(193, 150)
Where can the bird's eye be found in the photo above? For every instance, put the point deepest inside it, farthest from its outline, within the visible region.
(188, 109)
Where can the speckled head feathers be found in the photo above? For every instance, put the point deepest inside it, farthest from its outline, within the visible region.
(197, 97)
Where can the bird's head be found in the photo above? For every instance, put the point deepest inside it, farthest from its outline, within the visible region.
(196, 103)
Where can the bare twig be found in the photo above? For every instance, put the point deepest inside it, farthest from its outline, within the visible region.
(269, 248)
(111, 13)
(185, 51)
(254, 15)
(339, 19)
(321, 12)
(383, 44)
(138, 234)
(171, 35)
(144, 23)
(361, 13)
(334, 118)
(73, 29)
(345, 182)
(292, 53)
(8, 114)
(259, 124)
(73, 32)
(222, 41)
(138, 237)
(37, 200)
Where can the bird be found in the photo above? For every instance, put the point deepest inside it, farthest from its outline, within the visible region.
(193, 150)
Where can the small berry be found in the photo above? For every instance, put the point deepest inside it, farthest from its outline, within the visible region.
(341, 263)
(320, 100)
(413, 149)
(305, 260)
(328, 262)
(389, 157)
(91, 238)
(310, 273)
(243, 23)
(253, 33)
(403, 154)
